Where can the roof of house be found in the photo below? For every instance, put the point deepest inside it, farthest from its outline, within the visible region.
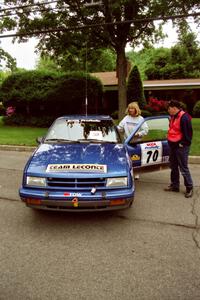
(110, 82)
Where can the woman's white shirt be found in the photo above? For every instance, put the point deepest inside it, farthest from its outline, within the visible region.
(128, 123)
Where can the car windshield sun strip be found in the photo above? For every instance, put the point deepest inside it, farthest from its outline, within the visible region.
(95, 140)
(61, 140)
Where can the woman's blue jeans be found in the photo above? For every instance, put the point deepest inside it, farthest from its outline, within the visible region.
(178, 158)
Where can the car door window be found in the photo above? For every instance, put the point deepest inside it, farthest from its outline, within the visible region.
(157, 131)
(149, 147)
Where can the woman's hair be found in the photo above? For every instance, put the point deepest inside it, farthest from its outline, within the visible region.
(135, 106)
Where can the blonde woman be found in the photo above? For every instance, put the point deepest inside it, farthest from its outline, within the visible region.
(131, 120)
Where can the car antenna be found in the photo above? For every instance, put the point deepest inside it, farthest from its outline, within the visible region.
(86, 79)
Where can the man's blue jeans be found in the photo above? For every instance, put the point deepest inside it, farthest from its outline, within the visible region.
(178, 158)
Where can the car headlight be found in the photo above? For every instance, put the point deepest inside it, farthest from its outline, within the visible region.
(117, 181)
(35, 181)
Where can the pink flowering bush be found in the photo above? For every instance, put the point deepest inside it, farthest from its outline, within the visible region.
(155, 106)
(2, 109)
(10, 111)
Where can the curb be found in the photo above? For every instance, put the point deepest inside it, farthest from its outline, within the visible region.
(192, 159)
(17, 148)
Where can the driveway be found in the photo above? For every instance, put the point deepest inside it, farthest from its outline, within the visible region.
(151, 251)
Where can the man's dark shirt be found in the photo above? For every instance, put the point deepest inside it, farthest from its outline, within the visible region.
(186, 129)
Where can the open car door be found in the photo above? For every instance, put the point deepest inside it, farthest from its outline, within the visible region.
(150, 151)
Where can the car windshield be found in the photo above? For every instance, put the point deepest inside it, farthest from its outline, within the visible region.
(64, 130)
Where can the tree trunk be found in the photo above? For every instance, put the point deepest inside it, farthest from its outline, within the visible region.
(121, 74)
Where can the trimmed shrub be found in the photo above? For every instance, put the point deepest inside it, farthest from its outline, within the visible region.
(183, 106)
(22, 120)
(135, 91)
(156, 107)
(196, 109)
(2, 109)
(38, 96)
(146, 113)
(114, 115)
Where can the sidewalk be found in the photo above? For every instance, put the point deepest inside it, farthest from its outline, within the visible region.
(192, 159)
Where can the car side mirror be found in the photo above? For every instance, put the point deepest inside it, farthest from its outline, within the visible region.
(39, 139)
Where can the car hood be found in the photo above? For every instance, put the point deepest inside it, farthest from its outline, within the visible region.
(113, 156)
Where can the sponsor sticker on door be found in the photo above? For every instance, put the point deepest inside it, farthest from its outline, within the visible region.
(151, 153)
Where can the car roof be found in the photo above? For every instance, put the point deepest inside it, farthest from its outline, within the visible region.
(86, 117)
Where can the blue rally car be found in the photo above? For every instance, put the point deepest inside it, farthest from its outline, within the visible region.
(82, 164)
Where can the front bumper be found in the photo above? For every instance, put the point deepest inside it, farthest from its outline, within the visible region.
(101, 201)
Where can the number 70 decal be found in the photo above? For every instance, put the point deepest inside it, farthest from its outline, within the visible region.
(151, 153)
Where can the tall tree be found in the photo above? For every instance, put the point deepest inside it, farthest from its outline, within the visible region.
(109, 23)
(180, 61)
(7, 61)
(47, 63)
(97, 60)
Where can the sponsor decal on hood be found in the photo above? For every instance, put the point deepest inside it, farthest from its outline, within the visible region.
(76, 168)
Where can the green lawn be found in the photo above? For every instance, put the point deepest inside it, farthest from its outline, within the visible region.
(12, 135)
(195, 148)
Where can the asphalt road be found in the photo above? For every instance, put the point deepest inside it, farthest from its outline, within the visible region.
(151, 251)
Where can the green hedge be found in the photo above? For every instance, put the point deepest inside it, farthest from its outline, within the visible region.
(47, 95)
(196, 109)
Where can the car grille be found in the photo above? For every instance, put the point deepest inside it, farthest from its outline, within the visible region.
(80, 183)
